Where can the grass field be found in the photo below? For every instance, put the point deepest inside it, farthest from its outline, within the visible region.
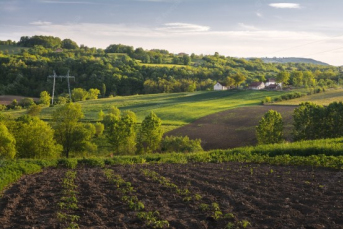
(324, 98)
(11, 49)
(175, 108)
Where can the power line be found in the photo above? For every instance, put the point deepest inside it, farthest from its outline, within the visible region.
(325, 51)
(54, 76)
(302, 45)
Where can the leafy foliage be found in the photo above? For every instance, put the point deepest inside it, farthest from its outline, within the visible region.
(270, 128)
(7, 143)
(180, 144)
(150, 134)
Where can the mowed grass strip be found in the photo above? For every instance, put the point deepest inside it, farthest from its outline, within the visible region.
(324, 98)
(174, 109)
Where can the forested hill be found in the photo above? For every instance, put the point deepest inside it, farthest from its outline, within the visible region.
(292, 60)
(125, 70)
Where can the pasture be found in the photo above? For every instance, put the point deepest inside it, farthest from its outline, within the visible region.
(175, 109)
(324, 98)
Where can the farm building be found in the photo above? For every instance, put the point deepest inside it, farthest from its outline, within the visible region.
(220, 87)
(257, 86)
(273, 87)
(270, 81)
(271, 84)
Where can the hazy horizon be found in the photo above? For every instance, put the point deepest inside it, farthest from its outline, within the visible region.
(239, 28)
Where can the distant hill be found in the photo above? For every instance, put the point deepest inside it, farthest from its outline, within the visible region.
(281, 60)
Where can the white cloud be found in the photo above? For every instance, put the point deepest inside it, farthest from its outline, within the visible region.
(40, 23)
(183, 28)
(285, 5)
(241, 43)
(259, 15)
(247, 27)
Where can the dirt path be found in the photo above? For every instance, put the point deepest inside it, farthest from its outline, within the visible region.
(232, 128)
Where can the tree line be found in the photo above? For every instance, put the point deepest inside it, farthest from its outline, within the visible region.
(30, 137)
(310, 122)
(120, 69)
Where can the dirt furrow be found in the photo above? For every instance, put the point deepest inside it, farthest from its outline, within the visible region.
(99, 206)
(32, 202)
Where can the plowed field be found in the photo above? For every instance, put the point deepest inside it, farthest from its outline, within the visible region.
(264, 195)
(232, 128)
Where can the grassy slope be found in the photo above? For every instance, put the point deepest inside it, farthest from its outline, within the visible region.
(322, 98)
(173, 109)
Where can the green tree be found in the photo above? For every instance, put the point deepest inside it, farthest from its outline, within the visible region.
(334, 120)
(93, 93)
(150, 134)
(27, 102)
(68, 132)
(309, 122)
(101, 115)
(79, 94)
(34, 110)
(7, 143)
(270, 128)
(35, 139)
(120, 130)
(99, 129)
(45, 98)
(239, 78)
(69, 44)
(282, 77)
(186, 59)
(128, 132)
(103, 90)
(229, 82)
(297, 78)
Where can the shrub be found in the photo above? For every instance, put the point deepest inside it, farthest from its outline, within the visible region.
(67, 163)
(91, 162)
(180, 144)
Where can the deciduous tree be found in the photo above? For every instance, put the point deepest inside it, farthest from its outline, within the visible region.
(270, 128)
(150, 134)
(7, 143)
(45, 98)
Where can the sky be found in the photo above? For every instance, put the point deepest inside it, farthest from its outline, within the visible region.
(237, 28)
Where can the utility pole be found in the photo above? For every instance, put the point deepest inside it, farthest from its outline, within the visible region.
(54, 83)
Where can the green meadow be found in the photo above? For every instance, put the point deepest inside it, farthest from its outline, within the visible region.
(174, 109)
(324, 98)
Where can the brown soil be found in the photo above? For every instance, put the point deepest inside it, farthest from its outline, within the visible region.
(7, 99)
(232, 128)
(267, 196)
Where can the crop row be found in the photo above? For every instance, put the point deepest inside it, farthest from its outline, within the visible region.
(127, 195)
(68, 202)
(213, 209)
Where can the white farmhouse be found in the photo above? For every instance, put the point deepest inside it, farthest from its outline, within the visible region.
(270, 81)
(257, 86)
(219, 87)
(272, 84)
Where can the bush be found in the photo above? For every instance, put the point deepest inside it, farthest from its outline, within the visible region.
(91, 162)
(11, 171)
(67, 163)
(180, 144)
